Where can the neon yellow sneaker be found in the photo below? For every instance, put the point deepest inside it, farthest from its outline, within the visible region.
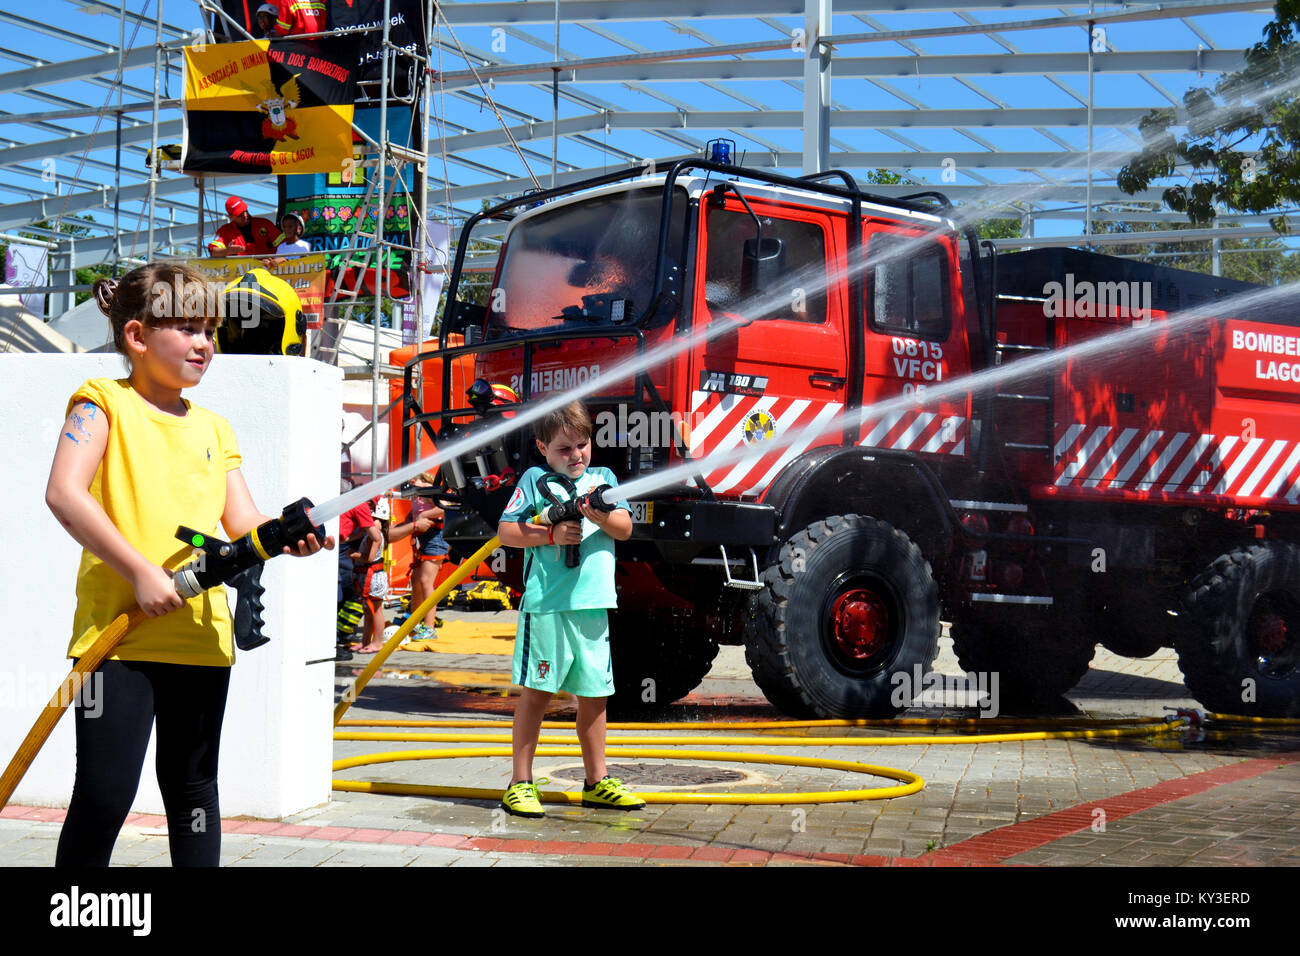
(521, 800)
(610, 794)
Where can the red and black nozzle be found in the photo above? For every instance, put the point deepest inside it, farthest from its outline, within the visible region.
(239, 564)
(568, 510)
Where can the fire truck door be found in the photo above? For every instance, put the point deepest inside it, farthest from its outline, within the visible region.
(915, 343)
(773, 386)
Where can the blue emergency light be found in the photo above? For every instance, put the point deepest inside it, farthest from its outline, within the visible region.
(720, 150)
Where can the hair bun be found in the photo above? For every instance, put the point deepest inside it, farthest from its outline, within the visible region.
(104, 291)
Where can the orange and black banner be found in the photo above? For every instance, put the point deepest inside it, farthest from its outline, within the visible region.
(306, 273)
(269, 106)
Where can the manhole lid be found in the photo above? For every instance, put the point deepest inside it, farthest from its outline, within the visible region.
(663, 775)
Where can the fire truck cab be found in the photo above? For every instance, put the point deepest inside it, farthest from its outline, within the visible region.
(825, 382)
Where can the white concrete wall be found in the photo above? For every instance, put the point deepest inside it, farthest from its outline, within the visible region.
(277, 738)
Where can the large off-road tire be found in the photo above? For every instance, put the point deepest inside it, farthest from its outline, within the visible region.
(657, 658)
(1240, 647)
(1037, 653)
(849, 602)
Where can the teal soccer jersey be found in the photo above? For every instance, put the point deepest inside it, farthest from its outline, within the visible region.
(548, 584)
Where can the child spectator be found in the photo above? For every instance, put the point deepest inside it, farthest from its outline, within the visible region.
(294, 244)
(428, 553)
(267, 14)
(365, 539)
(562, 642)
(136, 460)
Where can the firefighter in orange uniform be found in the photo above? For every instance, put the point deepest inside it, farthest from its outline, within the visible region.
(245, 235)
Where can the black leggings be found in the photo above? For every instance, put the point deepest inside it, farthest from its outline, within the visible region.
(112, 736)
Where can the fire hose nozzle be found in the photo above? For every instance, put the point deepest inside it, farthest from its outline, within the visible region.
(569, 511)
(239, 564)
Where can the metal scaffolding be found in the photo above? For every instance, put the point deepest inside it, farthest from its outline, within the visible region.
(799, 84)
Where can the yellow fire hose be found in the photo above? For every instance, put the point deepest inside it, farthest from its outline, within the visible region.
(623, 746)
(64, 696)
(618, 747)
(417, 615)
(911, 782)
(1263, 723)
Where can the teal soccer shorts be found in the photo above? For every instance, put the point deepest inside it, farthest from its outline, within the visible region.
(564, 650)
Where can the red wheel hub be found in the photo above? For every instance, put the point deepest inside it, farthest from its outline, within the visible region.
(1268, 632)
(860, 623)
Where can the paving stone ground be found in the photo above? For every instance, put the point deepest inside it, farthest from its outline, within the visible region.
(1222, 799)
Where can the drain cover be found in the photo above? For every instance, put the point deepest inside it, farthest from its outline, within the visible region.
(664, 775)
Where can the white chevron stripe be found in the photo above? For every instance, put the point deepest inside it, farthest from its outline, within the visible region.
(1080, 461)
(1220, 454)
(701, 432)
(1067, 440)
(1192, 458)
(1238, 465)
(783, 422)
(1217, 458)
(1166, 456)
(1282, 473)
(1258, 474)
(1108, 460)
(937, 440)
(810, 433)
(883, 428)
(1144, 449)
(914, 430)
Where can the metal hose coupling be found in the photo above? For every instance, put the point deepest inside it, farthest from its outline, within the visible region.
(239, 563)
(1194, 716)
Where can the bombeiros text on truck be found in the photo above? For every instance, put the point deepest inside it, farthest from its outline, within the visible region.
(1145, 498)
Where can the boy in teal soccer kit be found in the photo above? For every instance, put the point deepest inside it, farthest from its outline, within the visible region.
(562, 642)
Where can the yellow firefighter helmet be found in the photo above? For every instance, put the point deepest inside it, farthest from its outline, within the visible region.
(262, 316)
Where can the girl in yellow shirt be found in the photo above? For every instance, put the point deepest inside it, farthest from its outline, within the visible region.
(134, 461)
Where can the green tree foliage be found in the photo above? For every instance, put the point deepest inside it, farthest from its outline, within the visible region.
(1241, 135)
(999, 229)
(887, 177)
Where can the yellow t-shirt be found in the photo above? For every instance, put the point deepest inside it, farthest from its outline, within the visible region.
(159, 471)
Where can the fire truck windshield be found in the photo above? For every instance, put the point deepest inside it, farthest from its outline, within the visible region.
(585, 263)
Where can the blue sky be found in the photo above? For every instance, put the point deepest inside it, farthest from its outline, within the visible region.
(1228, 31)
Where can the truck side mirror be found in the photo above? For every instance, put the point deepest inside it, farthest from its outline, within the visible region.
(763, 265)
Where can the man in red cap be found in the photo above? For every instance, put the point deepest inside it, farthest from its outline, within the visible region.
(244, 235)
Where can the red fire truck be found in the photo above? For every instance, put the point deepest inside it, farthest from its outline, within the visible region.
(1144, 496)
